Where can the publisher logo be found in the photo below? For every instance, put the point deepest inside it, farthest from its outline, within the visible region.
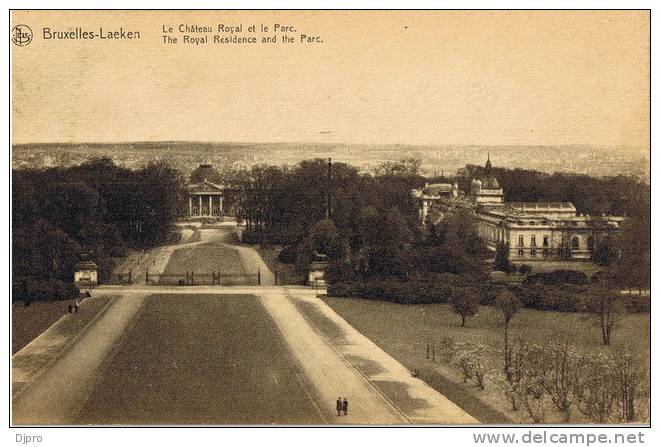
(21, 35)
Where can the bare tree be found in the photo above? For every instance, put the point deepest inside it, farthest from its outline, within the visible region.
(628, 376)
(598, 396)
(530, 391)
(509, 304)
(561, 240)
(606, 310)
(562, 376)
(472, 361)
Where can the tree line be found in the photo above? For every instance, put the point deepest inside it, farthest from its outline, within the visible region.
(96, 209)
(281, 204)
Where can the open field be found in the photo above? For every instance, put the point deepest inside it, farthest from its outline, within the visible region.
(404, 330)
(204, 258)
(189, 360)
(202, 261)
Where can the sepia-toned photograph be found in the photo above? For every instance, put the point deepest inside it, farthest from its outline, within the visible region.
(330, 217)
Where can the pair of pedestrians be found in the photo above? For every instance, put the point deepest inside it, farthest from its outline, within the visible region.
(342, 406)
(73, 308)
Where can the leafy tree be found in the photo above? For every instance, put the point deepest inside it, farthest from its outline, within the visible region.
(502, 258)
(464, 302)
(633, 266)
(324, 238)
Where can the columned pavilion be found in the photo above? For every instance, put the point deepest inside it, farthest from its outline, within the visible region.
(205, 199)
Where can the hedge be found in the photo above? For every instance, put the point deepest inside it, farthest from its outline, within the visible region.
(288, 255)
(543, 297)
(413, 291)
(557, 277)
(637, 303)
(28, 289)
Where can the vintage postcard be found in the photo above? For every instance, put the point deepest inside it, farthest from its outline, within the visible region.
(232, 218)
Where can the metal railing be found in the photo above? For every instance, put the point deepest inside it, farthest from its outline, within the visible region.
(191, 278)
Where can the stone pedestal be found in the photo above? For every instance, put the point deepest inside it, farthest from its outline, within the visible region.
(316, 275)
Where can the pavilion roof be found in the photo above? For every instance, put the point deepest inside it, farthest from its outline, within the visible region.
(205, 186)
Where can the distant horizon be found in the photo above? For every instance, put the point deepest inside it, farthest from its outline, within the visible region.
(476, 145)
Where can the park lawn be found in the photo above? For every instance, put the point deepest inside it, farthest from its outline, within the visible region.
(403, 331)
(204, 259)
(28, 322)
(201, 360)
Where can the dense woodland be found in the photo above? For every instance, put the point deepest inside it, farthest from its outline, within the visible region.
(94, 210)
(375, 218)
(366, 223)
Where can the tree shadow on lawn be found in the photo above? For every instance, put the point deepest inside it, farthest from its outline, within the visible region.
(464, 398)
(398, 393)
(323, 323)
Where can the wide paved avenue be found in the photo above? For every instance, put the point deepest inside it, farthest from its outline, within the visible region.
(201, 359)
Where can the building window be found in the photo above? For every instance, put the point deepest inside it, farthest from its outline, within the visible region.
(532, 253)
(533, 240)
(575, 243)
(546, 253)
(521, 253)
(521, 241)
(590, 244)
(545, 241)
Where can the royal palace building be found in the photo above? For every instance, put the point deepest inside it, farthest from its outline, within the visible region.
(532, 231)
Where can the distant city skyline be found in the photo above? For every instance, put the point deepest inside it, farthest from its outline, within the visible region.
(596, 161)
(499, 78)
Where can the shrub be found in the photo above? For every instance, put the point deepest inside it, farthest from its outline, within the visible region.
(447, 348)
(612, 387)
(525, 269)
(288, 255)
(250, 237)
(562, 376)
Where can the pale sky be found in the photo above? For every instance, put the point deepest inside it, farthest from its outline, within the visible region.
(378, 77)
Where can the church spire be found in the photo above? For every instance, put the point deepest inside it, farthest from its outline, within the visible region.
(488, 164)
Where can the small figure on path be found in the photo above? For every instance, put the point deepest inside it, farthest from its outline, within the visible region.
(340, 406)
(76, 305)
(344, 406)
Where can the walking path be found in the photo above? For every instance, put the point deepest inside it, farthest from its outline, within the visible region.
(420, 403)
(34, 358)
(335, 361)
(330, 375)
(334, 358)
(59, 392)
